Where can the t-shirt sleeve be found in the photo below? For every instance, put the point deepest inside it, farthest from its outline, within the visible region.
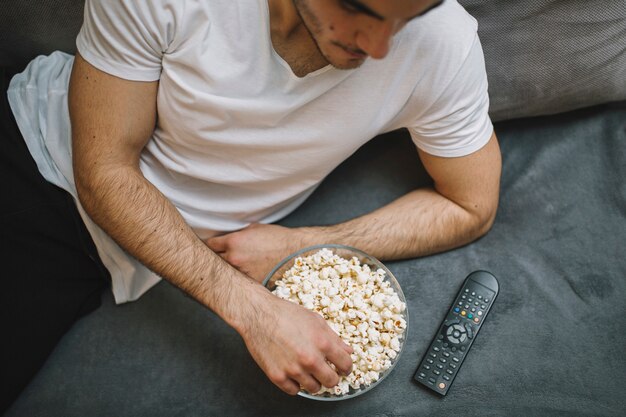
(458, 123)
(126, 38)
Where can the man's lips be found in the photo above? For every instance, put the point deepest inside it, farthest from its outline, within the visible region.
(359, 55)
(354, 53)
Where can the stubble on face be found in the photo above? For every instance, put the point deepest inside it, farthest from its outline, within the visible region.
(315, 29)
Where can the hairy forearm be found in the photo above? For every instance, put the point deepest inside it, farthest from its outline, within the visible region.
(143, 222)
(419, 223)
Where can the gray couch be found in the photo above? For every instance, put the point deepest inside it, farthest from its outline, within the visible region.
(554, 341)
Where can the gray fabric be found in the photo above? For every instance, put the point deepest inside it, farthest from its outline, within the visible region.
(32, 28)
(552, 345)
(550, 56)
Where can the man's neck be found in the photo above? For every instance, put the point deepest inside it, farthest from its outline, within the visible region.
(292, 40)
(284, 18)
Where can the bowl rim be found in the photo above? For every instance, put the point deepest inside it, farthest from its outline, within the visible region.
(388, 273)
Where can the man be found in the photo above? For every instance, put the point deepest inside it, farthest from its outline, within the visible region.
(195, 124)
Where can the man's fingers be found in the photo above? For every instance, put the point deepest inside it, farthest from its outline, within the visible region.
(326, 376)
(290, 386)
(282, 381)
(347, 347)
(309, 383)
(340, 357)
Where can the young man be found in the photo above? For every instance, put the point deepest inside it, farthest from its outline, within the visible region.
(195, 124)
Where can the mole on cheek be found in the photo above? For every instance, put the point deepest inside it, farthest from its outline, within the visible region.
(331, 27)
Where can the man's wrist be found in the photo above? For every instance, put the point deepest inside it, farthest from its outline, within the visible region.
(248, 298)
(317, 235)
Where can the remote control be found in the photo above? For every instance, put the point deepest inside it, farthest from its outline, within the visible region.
(457, 332)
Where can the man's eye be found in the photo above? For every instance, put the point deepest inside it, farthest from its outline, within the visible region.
(348, 6)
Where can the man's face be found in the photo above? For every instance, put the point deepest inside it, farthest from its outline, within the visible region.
(348, 31)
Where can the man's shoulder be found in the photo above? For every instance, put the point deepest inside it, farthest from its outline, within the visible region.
(447, 33)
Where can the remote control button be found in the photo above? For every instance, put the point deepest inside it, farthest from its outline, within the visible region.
(480, 313)
(483, 306)
(453, 366)
(455, 334)
(436, 372)
(469, 300)
(442, 385)
(427, 367)
(440, 337)
(464, 296)
(432, 355)
(432, 381)
(446, 377)
(466, 290)
(480, 297)
(473, 310)
(455, 359)
(456, 309)
(470, 316)
(436, 349)
(442, 360)
(466, 305)
(422, 375)
(446, 354)
(476, 303)
(439, 366)
(453, 349)
(449, 372)
(463, 313)
(468, 327)
(445, 345)
(462, 339)
(486, 300)
(462, 348)
(473, 293)
(476, 319)
(430, 361)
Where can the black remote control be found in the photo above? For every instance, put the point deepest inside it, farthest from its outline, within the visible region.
(457, 332)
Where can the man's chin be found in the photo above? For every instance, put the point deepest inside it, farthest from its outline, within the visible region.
(347, 64)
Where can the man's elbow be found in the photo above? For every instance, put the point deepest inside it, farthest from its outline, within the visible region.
(95, 185)
(86, 187)
(484, 219)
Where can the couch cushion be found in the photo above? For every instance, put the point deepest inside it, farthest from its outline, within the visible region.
(551, 346)
(550, 56)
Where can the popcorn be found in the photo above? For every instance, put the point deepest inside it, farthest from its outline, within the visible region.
(357, 303)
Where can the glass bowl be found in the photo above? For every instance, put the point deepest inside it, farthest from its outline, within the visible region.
(345, 252)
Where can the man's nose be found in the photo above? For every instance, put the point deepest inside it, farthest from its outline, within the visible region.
(376, 40)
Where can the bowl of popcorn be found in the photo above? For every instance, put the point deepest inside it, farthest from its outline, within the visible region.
(360, 300)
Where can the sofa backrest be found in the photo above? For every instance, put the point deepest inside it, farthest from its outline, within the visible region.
(542, 56)
(29, 28)
(550, 56)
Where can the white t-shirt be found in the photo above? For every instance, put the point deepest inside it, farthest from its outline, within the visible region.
(239, 137)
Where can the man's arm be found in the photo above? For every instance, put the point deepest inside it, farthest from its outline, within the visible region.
(112, 120)
(459, 208)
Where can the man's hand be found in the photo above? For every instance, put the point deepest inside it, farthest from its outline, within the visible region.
(293, 345)
(256, 249)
